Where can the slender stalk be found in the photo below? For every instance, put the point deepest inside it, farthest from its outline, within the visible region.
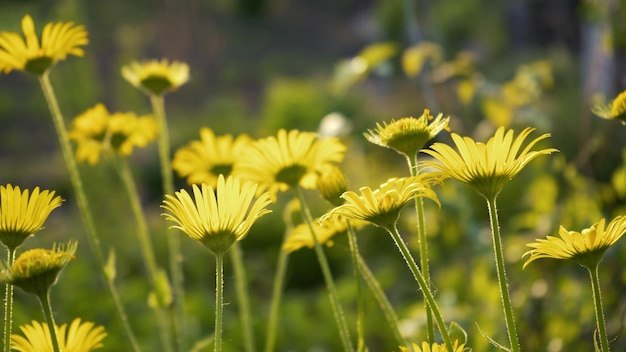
(44, 299)
(241, 286)
(277, 293)
(8, 304)
(340, 318)
(597, 303)
(147, 250)
(428, 296)
(219, 299)
(354, 253)
(175, 256)
(83, 206)
(502, 280)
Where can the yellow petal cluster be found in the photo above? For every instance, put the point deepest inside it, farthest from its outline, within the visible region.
(615, 110)
(156, 77)
(301, 235)
(78, 337)
(434, 347)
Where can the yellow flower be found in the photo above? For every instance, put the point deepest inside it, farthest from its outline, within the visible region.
(57, 41)
(156, 77)
(408, 135)
(127, 130)
(217, 217)
(486, 167)
(382, 206)
(289, 160)
(586, 247)
(202, 161)
(21, 216)
(615, 110)
(301, 236)
(79, 337)
(434, 347)
(331, 184)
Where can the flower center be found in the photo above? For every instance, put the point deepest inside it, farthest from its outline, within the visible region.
(223, 169)
(156, 84)
(38, 65)
(291, 175)
(117, 139)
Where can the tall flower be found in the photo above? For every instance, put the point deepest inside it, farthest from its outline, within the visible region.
(78, 337)
(22, 215)
(615, 110)
(27, 54)
(216, 217)
(486, 167)
(204, 160)
(156, 77)
(289, 160)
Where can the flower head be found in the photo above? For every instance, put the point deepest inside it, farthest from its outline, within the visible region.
(382, 206)
(22, 215)
(202, 161)
(79, 337)
(291, 159)
(409, 134)
(586, 247)
(27, 54)
(434, 347)
(216, 217)
(486, 167)
(35, 270)
(615, 110)
(156, 77)
(301, 235)
(331, 184)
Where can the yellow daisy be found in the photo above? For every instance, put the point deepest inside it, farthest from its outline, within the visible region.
(22, 215)
(27, 54)
(217, 217)
(301, 235)
(79, 337)
(202, 161)
(127, 131)
(289, 160)
(382, 206)
(585, 247)
(615, 110)
(409, 134)
(156, 77)
(486, 167)
(434, 347)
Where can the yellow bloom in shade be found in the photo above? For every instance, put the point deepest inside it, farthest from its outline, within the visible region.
(586, 247)
(27, 54)
(289, 160)
(434, 347)
(79, 337)
(382, 206)
(301, 235)
(127, 131)
(486, 167)
(202, 161)
(216, 217)
(615, 110)
(409, 134)
(156, 77)
(22, 215)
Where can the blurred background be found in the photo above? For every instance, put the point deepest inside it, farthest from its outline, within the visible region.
(260, 65)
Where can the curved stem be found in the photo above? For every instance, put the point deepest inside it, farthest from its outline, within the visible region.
(340, 318)
(354, 253)
(502, 280)
(597, 303)
(8, 304)
(241, 286)
(277, 292)
(175, 257)
(428, 296)
(44, 299)
(219, 299)
(83, 205)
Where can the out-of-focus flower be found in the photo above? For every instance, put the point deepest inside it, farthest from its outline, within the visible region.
(156, 77)
(79, 337)
(301, 235)
(434, 347)
(615, 110)
(331, 184)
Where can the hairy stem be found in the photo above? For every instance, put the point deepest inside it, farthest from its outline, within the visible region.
(277, 293)
(597, 303)
(8, 304)
(243, 298)
(219, 299)
(354, 253)
(44, 299)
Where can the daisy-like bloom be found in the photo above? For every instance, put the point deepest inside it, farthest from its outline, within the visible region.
(127, 131)
(27, 54)
(79, 337)
(486, 167)
(202, 161)
(585, 248)
(434, 347)
(217, 217)
(301, 236)
(615, 110)
(289, 160)
(156, 77)
(89, 131)
(22, 215)
(408, 134)
(382, 206)
(331, 184)
(36, 270)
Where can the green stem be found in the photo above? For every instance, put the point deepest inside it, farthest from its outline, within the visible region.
(44, 299)
(243, 298)
(219, 299)
(340, 319)
(502, 280)
(83, 206)
(428, 296)
(175, 256)
(597, 303)
(354, 252)
(277, 292)
(8, 304)
(147, 250)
